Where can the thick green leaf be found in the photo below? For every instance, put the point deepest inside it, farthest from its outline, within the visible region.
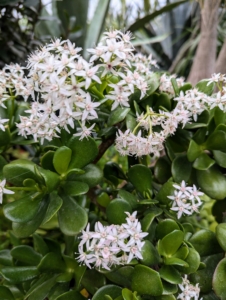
(26, 254)
(168, 288)
(110, 289)
(171, 243)
(117, 115)
(130, 121)
(71, 216)
(26, 229)
(175, 261)
(142, 21)
(216, 141)
(103, 199)
(150, 254)
(55, 203)
(47, 161)
(19, 170)
(116, 211)
(19, 274)
(130, 198)
(162, 169)
(220, 158)
(166, 190)
(212, 182)
(193, 260)
(165, 227)
(141, 177)
(75, 188)
(5, 293)
(149, 217)
(203, 162)
(205, 242)
(52, 262)
(204, 87)
(3, 162)
(194, 150)
(22, 210)
(93, 280)
(121, 276)
(42, 290)
(205, 277)
(92, 176)
(39, 244)
(221, 235)
(61, 159)
(141, 278)
(5, 136)
(83, 152)
(181, 168)
(52, 179)
(71, 295)
(170, 274)
(219, 286)
(6, 258)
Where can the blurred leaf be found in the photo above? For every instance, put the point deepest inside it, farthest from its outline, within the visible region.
(110, 289)
(156, 39)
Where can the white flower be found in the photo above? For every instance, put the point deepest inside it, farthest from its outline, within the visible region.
(3, 190)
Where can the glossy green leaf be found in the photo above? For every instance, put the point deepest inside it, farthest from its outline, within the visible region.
(205, 276)
(52, 179)
(52, 262)
(5, 136)
(116, 211)
(221, 235)
(83, 152)
(219, 116)
(19, 274)
(166, 190)
(130, 121)
(216, 141)
(220, 158)
(193, 260)
(162, 170)
(29, 182)
(55, 203)
(181, 168)
(203, 162)
(171, 243)
(47, 161)
(168, 288)
(175, 261)
(128, 295)
(71, 295)
(75, 188)
(6, 258)
(19, 170)
(141, 177)
(182, 252)
(61, 159)
(103, 199)
(5, 293)
(219, 286)
(39, 244)
(22, 210)
(163, 100)
(149, 217)
(212, 182)
(92, 176)
(26, 229)
(71, 216)
(121, 276)
(204, 87)
(141, 278)
(194, 151)
(150, 254)
(74, 267)
(117, 115)
(205, 242)
(93, 280)
(170, 274)
(42, 290)
(26, 254)
(110, 289)
(165, 227)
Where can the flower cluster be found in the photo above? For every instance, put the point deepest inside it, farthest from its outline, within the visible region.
(111, 245)
(188, 290)
(194, 102)
(166, 84)
(186, 199)
(3, 190)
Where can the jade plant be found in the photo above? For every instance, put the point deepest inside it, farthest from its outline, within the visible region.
(112, 177)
